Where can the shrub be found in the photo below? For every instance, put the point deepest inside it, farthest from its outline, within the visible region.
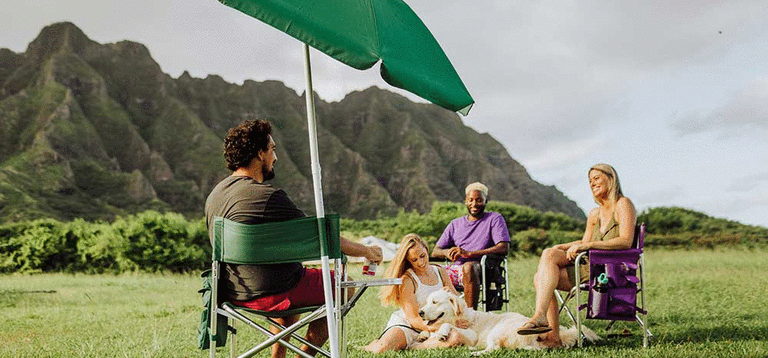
(534, 241)
(101, 248)
(531, 241)
(36, 246)
(680, 227)
(159, 242)
(152, 241)
(149, 241)
(551, 227)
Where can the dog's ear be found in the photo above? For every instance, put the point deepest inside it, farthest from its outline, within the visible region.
(457, 309)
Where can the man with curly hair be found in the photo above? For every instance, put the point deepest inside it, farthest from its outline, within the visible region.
(244, 197)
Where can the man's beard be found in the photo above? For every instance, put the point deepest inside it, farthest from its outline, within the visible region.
(267, 174)
(480, 212)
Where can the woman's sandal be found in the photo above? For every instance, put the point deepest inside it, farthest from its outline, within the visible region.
(532, 328)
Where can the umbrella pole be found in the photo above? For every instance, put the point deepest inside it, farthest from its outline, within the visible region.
(333, 339)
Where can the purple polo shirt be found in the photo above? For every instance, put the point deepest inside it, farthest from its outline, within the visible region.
(474, 235)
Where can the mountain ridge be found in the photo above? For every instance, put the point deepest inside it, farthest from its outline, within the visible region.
(98, 130)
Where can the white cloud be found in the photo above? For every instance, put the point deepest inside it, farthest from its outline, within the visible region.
(746, 110)
(672, 93)
(750, 184)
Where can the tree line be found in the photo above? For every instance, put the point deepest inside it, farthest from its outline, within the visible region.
(168, 242)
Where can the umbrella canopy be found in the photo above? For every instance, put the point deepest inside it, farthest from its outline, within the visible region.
(359, 33)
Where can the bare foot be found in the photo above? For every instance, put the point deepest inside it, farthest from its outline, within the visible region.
(550, 340)
(370, 346)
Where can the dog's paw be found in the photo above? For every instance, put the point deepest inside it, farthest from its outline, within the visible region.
(443, 332)
(423, 336)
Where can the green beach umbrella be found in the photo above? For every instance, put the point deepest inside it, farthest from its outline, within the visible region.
(360, 33)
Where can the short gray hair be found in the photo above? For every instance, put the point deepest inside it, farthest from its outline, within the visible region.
(479, 187)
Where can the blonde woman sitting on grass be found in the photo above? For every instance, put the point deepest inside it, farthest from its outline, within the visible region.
(420, 278)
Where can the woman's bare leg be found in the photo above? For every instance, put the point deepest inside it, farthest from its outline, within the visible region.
(392, 340)
(547, 279)
(552, 338)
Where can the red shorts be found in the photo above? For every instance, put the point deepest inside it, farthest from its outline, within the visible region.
(456, 273)
(308, 292)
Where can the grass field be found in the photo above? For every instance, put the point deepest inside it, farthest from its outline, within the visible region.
(701, 304)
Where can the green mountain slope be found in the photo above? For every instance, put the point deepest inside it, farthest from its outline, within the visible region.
(97, 130)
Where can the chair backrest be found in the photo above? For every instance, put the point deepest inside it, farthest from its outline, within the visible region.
(639, 239)
(294, 240)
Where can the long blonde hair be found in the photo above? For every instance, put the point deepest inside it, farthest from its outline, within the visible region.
(398, 266)
(614, 192)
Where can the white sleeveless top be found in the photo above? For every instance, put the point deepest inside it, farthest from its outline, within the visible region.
(422, 290)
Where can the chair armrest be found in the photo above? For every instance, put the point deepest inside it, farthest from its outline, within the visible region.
(615, 252)
(614, 256)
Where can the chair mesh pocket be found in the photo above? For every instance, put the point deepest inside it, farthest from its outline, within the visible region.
(622, 301)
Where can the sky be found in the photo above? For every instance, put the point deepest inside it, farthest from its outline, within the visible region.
(673, 94)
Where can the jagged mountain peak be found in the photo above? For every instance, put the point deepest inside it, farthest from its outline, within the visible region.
(134, 138)
(62, 36)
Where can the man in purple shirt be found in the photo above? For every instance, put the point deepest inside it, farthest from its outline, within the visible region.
(466, 239)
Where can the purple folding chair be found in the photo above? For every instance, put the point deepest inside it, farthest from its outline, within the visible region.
(616, 277)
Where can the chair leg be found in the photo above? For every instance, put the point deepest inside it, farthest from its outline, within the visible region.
(339, 299)
(233, 340)
(506, 286)
(647, 335)
(644, 321)
(564, 305)
(299, 338)
(277, 338)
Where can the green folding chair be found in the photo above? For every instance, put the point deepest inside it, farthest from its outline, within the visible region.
(295, 240)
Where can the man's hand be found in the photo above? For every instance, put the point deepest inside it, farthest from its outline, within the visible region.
(373, 254)
(455, 252)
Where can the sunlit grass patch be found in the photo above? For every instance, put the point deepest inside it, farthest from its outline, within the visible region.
(707, 303)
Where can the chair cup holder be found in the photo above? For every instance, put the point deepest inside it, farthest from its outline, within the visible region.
(599, 303)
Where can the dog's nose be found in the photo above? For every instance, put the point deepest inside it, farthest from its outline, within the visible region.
(421, 313)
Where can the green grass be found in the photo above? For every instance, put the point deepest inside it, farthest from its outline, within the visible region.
(701, 304)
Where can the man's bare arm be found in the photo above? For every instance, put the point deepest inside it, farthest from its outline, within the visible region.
(371, 253)
(501, 248)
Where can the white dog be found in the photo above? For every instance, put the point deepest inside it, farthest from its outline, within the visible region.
(487, 329)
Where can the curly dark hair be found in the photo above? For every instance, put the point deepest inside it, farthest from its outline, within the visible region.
(244, 142)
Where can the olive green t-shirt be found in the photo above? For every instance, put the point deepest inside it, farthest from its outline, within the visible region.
(242, 199)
